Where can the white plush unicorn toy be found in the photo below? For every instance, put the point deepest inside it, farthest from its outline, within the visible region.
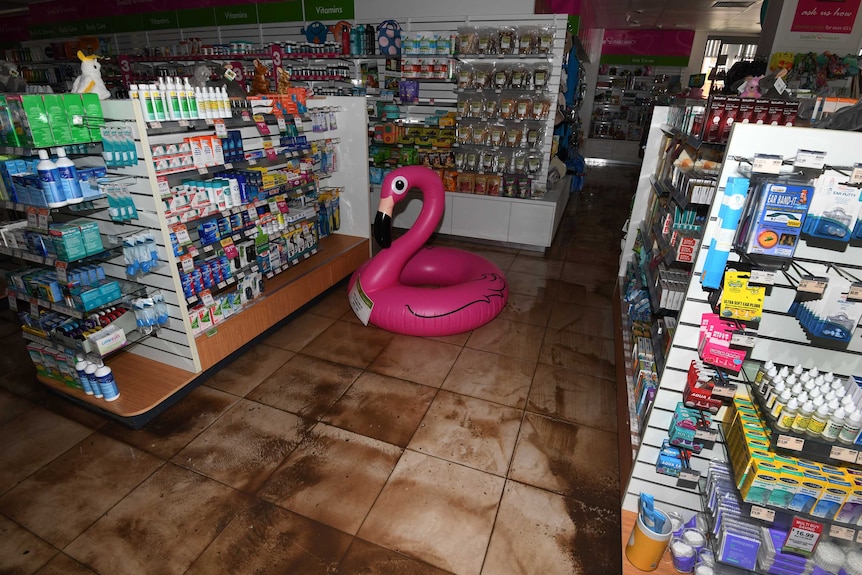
(90, 81)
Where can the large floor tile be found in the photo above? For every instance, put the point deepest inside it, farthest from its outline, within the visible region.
(266, 540)
(436, 511)
(247, 371)
(469, 431)
(172, 430)
(299, 332)
(349, 344)
(490, 376)
(569, 459)
(582, 353)
(541, 532)
(333, 465)
(21, 551)
(334, 304)
(11, 406)
(527, 309)
(62, 499)
(382, 407)
(160, 527)
(537, 266)
(245, 446)
(580, 318)
(458, 339)
(530, 284)
(416, 359)
(305, 385)
(573, 396)
(365, 558)
(33, 439)
(509, 338)
(62, 564)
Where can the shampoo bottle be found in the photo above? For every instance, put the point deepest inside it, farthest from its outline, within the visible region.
(49, 180)
(68, 178)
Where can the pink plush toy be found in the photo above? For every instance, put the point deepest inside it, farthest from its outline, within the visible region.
(751, 87)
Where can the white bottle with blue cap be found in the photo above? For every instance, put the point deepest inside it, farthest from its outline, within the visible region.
(68, 178)
(49, 180)
(107, 384)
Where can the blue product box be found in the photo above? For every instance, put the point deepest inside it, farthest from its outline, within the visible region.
(110, 291)
(90, 298)
(91, 237)
(208, 232)
(68, 242)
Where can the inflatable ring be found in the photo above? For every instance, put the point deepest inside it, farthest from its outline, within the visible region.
(412, 289)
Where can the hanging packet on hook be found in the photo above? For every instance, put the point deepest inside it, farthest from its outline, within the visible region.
(729, 213)
(772, 223)
(833, 214)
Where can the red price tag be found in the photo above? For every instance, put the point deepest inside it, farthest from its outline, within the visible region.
(229, 248)
(803, 536)
(270, 151)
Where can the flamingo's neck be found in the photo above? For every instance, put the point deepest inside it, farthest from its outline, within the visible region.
(385, 268)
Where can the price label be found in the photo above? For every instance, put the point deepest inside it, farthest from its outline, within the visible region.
(269, 276)
(221, 285)
(706, 434)
(182, 234)
(803, 536)
(60, 268)
(246, 117)
(725, 391)
(273, 207)
(742, 340)
(810, 159)
(13, 303)
(766, 164)
(220, 129)
(202, 171)
(237, 237)
(183, 123)
(209, 121)
(855, 293)
(859, 536)
(43, 217)
(187, 263)
(228, 166)
(813, 285)
(207, 298)
(791, 443)
(193, 251)
(208, 248)
(839, 532)
(282, 125)
(230, 281)
(252, 162)
(155, 125)
(856, 174)
(843, 454)
(762, 277)
(689, 475)
(164, 186)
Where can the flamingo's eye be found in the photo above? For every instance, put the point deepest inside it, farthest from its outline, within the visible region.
(399, 185)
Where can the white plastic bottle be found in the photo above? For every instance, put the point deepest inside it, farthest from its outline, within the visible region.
(49, 180)
(192, 101)
(766, 381)
(107, 384)
(147, 109)
(212, 99)
(158, 104)
(80, 368)
(764, 369)
(68, 178)
(203, 103)
(780, 404)
(228, 112)
(803, 417)
(818, 422)
(788, 415)
(163, 94)
(852, 426)
(775, 391)
(90, 370)
(834, 425)
(174, 110)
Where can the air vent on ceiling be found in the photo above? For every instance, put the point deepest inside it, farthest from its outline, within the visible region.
(732, 4)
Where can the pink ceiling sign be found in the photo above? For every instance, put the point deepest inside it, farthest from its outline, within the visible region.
(649, 42)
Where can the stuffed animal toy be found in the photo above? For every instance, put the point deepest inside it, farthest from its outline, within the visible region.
(315, 32)
(234, 89)
(751, 87)
(259, 84)
(10, 79)
(282, 81)
(90, 81)
(201, 76)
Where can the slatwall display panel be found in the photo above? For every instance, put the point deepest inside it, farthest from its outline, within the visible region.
(779, 337)
(172, 345)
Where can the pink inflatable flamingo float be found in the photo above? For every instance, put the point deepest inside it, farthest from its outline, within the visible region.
(416, 290)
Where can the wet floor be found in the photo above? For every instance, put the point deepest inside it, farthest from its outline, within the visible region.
(332, 447)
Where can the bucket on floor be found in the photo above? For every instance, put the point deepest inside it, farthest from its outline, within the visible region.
(646, 547)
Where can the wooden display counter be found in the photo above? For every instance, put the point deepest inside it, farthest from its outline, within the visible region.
(665, 567)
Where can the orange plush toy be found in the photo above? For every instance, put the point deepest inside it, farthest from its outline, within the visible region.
(259, 84)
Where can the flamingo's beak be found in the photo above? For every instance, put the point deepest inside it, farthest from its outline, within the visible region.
(383, 222)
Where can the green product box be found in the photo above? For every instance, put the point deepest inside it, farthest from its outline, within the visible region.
(75, 114)
(93, 117)
(8, 136)
(56, 111)
(91, 237)
(30, 120)
(68, 242)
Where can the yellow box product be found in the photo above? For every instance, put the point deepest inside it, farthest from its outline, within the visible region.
(851, 511)
(832, 498)
(809, 492)
(752, 458)
(832, 471)
(783, 460)
(760, 480)
(808, 465)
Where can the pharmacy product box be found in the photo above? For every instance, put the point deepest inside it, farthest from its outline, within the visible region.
(93, 117)
(810, 489)
(851, 511)
(832, 499)
(57, 119)
(68, 242)
(761, 479)
(110, 291)
(91, 237)
(8, 135)
(30, 120)
(75, 116)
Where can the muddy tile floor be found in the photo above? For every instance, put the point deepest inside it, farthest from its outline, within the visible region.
(330, 447)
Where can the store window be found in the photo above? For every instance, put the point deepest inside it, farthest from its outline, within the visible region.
(721, 54)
